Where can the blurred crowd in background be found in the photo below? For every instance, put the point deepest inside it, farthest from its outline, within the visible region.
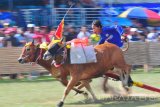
(14, 36)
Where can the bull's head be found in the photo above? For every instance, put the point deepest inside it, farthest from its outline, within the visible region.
(55, 50)
(28, 53)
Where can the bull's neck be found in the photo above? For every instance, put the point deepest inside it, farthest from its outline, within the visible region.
(61, 59)
(44, 63)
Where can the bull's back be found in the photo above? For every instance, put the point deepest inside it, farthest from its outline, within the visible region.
(109, 54)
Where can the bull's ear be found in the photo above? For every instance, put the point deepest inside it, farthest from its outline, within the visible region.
(33, 42)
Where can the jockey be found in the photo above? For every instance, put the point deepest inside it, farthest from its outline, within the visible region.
(111, 34)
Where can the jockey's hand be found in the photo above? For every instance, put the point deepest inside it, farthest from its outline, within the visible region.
(124, 38)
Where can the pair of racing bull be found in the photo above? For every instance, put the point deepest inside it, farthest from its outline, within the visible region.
(109, 58)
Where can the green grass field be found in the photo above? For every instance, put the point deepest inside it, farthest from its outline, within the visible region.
(46, 92)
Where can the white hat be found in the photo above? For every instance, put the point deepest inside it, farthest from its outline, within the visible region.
(30, 25)
(133, 29)
(5, 24)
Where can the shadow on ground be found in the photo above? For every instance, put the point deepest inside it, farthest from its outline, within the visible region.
(119, 101)
(27, 80)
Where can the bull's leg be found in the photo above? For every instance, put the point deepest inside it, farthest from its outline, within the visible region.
(126, 76)
(124, 71)
(126, 89)
(129, 89)
(128, 70)
(82, 85)
(88, 87)
(64, 81)
(105, 88)
(123, 76)
(70, 85)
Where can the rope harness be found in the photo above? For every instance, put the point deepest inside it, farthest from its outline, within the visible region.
(38, 53)
(64, 55)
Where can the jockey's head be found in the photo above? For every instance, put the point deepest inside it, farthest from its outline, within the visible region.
(96, 26)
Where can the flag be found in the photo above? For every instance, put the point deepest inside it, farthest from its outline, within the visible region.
(59, 30)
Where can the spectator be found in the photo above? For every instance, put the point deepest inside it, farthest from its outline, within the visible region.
(6, 25)
(29, 33)
(83, 33)
(143, 32)
(44, 33)
(134, 35)
(20, 37)
(10, 39)
(70, 33)
(158, 38)
(1, 37)
(37, 35)
(152, 36)
(52, 33)
(41, 35)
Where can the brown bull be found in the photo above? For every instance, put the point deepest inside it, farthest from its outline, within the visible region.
(108, 55)
(32, 54)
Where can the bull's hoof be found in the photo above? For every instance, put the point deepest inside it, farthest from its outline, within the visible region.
(129, 90)
(105, 89)
(60, 104)
(79, 92)
(85, 95)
